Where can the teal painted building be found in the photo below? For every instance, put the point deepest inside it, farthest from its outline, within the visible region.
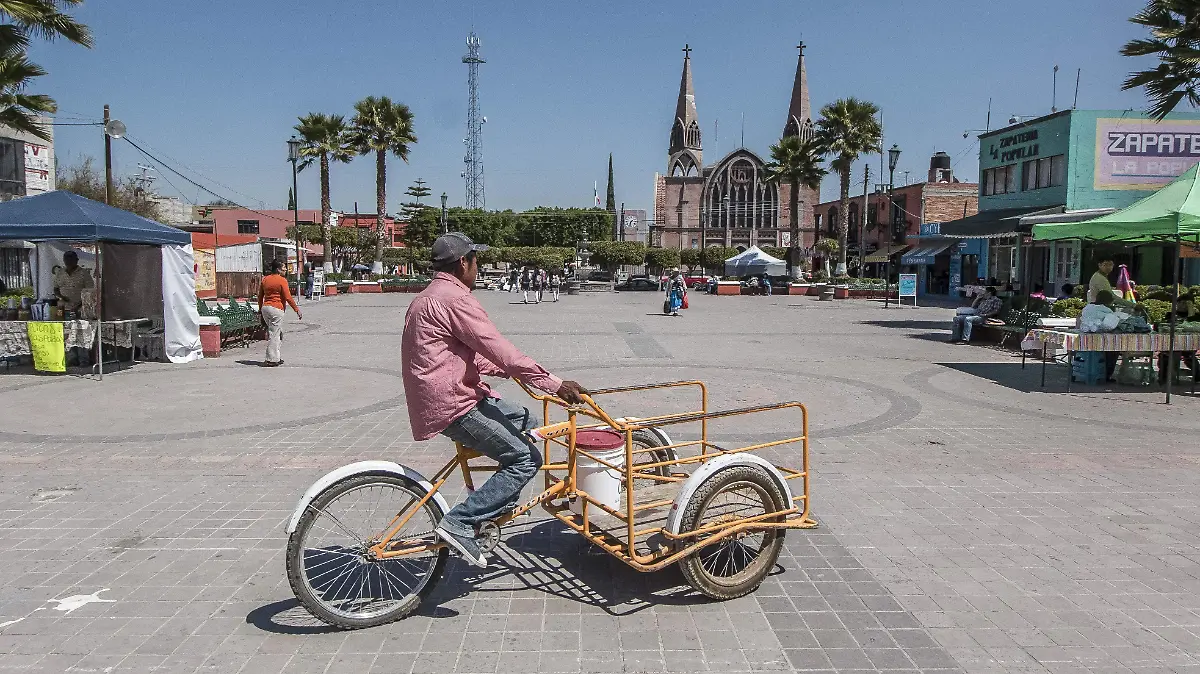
(1073, 165)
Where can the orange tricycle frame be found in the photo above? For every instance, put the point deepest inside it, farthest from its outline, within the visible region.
(625, 540)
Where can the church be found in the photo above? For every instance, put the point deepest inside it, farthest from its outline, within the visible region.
(729, 203)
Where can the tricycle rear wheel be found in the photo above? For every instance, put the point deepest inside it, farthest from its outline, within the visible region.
(735, 565)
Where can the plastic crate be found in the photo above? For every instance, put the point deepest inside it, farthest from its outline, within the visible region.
(1087, 367)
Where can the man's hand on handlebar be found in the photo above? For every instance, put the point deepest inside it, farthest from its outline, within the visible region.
(571, 392)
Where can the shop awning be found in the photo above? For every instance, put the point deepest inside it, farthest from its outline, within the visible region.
(884, 254)
(993, 224)
(924, 254)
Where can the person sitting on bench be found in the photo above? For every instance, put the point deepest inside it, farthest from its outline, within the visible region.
(985, 306)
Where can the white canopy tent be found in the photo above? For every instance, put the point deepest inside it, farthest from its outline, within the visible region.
(753, 262)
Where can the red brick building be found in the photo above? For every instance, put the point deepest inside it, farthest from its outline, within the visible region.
(942, 198)
(367, 221)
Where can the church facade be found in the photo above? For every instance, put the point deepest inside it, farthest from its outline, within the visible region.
(730, 202)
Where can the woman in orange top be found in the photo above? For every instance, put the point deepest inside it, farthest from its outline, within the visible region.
(273, 293)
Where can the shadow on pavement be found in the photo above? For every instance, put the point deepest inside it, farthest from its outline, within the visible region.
(287, 617)
(1029, 379)
(910, 324)
(549, 558)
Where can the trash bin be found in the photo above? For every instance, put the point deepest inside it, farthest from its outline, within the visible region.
(572, 287)
(210, 336)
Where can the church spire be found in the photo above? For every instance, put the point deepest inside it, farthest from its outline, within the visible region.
(799, 119)
(685, 147)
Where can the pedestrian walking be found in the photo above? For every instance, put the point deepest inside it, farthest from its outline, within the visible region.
(674, 293)
(273, 298)
(512, 279)
(536, 285)
(555, 284)
(541, 283)
(526, 284)
(309, 277)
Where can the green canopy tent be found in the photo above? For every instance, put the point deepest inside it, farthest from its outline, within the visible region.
(1170, 215)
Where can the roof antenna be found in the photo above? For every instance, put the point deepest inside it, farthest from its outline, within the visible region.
(1076, 101)
(1054, 91)
(743, 129)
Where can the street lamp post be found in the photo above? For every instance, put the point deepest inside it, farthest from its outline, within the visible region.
(294, 156)
(893, 159)
(445, 225)
(728, 220)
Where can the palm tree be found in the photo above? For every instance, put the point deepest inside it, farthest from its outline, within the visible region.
(23, 20)
(20, 110)
(847, 128)
(323, 139)
(41, 19)
(381, 126)
(796, 161)
(1175, 38)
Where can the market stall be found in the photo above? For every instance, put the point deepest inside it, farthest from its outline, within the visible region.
(1170, 216)
(753, 262)
(144, 270)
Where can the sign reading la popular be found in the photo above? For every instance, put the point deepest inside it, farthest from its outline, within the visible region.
(1141, 154)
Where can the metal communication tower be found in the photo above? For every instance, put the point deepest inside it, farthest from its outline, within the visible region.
(473, 172)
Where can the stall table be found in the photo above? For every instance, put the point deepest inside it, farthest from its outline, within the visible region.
(1073, 340)
(14, 335)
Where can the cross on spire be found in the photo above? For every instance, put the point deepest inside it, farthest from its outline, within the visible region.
(687, 51)
(801, 47)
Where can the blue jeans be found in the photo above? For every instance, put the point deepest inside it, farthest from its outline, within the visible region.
(494, 428)
(964, 325)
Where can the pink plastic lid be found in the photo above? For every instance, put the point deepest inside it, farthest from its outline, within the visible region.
(594, 438)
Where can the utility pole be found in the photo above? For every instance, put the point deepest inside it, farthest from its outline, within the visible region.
(862, 223)
(621, 223)
(108, 181)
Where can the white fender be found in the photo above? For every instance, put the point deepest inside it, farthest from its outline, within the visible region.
(360, 468)
(710, 468)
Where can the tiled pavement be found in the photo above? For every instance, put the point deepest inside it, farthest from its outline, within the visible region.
(970, 521)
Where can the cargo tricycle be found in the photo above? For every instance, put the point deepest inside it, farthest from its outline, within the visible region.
(362, 552)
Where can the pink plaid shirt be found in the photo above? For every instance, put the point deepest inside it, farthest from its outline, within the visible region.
(449, 341)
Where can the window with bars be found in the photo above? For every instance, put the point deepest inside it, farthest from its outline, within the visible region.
(12, 168)
(247, 226)
(14, 268)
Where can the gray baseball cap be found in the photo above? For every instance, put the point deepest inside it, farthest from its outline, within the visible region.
(453, 247)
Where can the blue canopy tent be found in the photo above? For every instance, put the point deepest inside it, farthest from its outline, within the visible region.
(64, 216)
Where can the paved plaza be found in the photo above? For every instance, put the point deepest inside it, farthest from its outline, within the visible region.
(970, 521)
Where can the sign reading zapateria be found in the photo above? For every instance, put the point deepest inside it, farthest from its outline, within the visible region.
(1141, 154)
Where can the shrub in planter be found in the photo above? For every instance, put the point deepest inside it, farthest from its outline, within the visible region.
(1068, 308)
(1156, 310)
(842, 280)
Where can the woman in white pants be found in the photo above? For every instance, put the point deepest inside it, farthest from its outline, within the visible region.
(273, 296)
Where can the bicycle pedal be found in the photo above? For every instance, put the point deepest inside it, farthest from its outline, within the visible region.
(488, 536)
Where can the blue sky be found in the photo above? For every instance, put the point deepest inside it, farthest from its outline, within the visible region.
(216, 86)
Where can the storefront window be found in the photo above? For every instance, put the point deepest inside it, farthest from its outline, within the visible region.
(1046, 172)
(989, 182)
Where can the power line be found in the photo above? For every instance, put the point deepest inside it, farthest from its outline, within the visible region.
(208, 178)
(202, 187)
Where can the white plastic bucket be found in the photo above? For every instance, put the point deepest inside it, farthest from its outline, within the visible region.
(600, 482)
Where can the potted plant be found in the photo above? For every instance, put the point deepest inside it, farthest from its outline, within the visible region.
(819, 282)
(841, 288)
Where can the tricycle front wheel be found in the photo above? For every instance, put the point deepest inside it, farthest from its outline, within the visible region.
(734, 565)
